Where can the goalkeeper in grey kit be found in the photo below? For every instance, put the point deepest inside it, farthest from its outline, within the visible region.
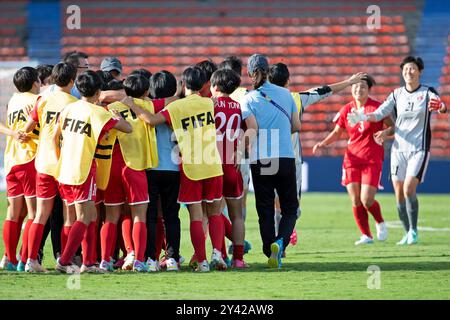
(411, 107)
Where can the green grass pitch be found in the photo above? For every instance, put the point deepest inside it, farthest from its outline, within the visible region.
(324, 264)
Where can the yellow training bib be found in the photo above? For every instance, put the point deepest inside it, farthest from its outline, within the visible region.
(139, 148)
(192, 120)
(81, 124)
(17, 153)
(49, 109)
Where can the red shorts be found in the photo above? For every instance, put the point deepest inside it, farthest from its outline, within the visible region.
(99, 196)
(369, 174)
(125, 184)
(46, 186)
(21, 181)
(233, 185)
(191, 191)
(80, 193)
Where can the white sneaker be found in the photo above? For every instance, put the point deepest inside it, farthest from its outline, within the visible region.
(404, 240)
(69, 269)
(129, 261)
(106, 266)
(382, 232)
(364, 240)
(203, 266)
(4, 262)
(171, 265)
(217, 261)
(33, 266)
(91, 269)
(153, 265)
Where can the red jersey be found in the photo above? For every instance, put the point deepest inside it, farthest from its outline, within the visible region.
(362, 147)
(228, 118)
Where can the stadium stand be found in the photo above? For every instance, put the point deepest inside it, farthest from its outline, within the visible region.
(13, 19)
(322, 41)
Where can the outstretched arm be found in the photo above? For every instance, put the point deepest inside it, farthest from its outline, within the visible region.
(315, 95)
(332, 137)
(382, 112)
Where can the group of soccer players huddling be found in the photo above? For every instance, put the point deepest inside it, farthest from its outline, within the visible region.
(124, 154)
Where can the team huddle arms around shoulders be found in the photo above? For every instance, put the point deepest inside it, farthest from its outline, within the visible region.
(104, 163)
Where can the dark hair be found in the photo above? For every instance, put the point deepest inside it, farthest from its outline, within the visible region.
(226, 80)
(106, 78)
(78, 54)
(74, 58)
(417, 60)
(258, 78)
(279, 74)
(370, 80)
(62, 73)
(233, 63)
(114, 84)
(24, 78)
(208, 68)
(88, 83)
(163, 84)
(194, 78)
(142, 72)
(136, 85)
(44, 71)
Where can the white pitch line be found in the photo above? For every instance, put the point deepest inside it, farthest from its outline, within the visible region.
(398, 225)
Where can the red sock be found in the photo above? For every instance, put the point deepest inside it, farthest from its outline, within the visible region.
(114, 241)
(93, 254)
(362, 220)
(216, 231)
(160, 239)
(74, 239)
(64, 235)
(224, 250)
(127, 225)
(375, 210)
(107, 239)
(238, 252)
(87, 243)
(34, 239)
(19, 226)
(139, 239)
(24, 251)
(228, 227)
(198, 240)
(10, 239)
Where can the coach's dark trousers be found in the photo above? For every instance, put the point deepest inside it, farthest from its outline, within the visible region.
(164, 184)
(266, 179)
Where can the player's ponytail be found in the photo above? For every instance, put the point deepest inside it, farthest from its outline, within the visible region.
(258, 78)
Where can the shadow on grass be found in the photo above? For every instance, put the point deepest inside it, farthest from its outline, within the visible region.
(288, 267)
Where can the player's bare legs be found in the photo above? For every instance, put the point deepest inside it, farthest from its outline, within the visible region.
(217, 233)
(401, 207)
(359, 213)
(30, 206)
(85, 212)
(11, 229)
(197, 236)
(238, 231)
(139, 215)
(368, 193)
(69, 216)
(412, 207)
(43, 209)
